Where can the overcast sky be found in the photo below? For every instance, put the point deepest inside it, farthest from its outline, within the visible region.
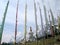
(9, 28)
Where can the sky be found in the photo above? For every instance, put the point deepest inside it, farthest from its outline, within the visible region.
(9, 27)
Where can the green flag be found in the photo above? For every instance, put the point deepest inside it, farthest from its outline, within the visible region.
(2, 25)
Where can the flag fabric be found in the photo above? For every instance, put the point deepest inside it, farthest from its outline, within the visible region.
(16, 20)
(2, 25)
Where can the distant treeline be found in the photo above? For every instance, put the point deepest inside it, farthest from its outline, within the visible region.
(7, 43)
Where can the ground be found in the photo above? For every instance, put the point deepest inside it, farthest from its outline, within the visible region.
(49, 41)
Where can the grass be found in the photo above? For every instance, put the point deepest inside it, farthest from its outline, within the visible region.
(49, 41)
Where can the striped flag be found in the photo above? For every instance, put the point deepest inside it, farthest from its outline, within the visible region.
(16, 20)
(25, 28)
(2, 25)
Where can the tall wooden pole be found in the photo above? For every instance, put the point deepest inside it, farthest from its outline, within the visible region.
(46, 20)
(25, 23)
(36, 22)
(53, 26)
(52, 22)
(59, 23)
(41, 22)
(41, 19)
(16, 21)
(3, 22)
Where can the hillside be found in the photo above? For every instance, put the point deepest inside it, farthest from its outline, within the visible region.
(49, 41)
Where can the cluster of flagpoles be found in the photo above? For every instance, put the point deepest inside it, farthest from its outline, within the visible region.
(3, 21)
(53, 24)
(25, 26)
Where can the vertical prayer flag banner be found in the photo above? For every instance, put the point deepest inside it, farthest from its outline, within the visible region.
(3, 21)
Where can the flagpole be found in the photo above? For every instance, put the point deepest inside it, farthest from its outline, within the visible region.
(16, 21)
(2, 26)
(46, 20)
(53, 26)
(41, 20)
(59, 22)
(49, 20)
(36, 22)
(25, 28)
(52, 22)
